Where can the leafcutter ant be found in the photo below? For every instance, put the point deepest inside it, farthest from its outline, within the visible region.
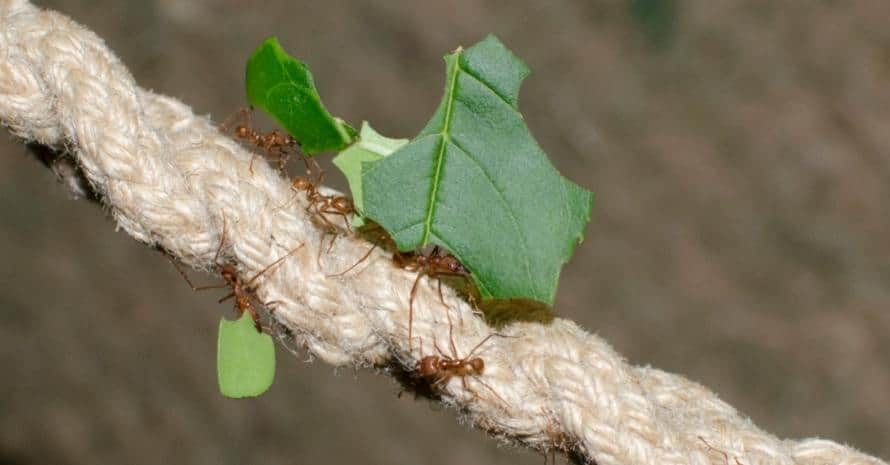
(441, 368)
(243, 291)
(435, 264)
(277, 145)
(322, 204)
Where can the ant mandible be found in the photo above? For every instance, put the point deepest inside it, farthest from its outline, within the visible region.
(434, 264)
(244, 292)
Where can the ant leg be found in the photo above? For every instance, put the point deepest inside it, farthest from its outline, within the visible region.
(482, 342)
(421, 346)
(285, 204)
(441, 354)
(239, 115)
(442, 299)
(222, 240)
(253, 157)
(333, 239)
(451, 337)
(331, 210)
(227, 297)
(321, 211)
(315, 208)
(273, 264)
(311, 165)
(411, 308)
(281, 156)
(441, 381)
(189, 281)
(271, 305)
(346, 221)
(364, 257)
(319, 180)
(321, 245)
(491, 390)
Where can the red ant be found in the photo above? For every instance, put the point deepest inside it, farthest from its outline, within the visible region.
(439, 369)
(434, 264)
(243, 291)
(276, 144)
(322, 204)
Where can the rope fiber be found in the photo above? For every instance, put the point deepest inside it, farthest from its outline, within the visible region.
(173, 181)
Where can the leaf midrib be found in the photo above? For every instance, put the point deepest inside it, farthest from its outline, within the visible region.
(431, 205)
(440, 160)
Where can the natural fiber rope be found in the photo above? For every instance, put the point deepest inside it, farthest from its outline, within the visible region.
(172, 180)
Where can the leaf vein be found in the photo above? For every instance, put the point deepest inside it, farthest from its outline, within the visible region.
(507, 207)
(487, 86)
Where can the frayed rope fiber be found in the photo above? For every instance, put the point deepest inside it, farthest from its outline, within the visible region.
(173, 181)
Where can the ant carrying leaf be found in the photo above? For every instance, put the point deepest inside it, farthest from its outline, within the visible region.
(243, 291)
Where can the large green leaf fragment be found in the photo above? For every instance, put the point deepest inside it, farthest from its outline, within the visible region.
(370, 147)
(282, 86)
(476, 182)
(245, 358)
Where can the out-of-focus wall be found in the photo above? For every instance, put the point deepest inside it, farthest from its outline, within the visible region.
(740, 155)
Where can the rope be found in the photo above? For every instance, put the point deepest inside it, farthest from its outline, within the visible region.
(171, 180)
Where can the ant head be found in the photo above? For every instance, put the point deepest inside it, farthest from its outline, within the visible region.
(242, 131)
(229, 273)
(301, 184)
(452, 264)
(342, 204)
(477, 365)
(427, 366)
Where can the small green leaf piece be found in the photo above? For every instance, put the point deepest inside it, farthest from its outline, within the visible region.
(370, 147)
(476, 182)
(282, 86)
(245, 358)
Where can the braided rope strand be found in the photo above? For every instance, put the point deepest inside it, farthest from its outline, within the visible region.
(171, 180)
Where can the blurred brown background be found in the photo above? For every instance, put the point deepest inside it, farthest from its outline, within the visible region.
(740, 155)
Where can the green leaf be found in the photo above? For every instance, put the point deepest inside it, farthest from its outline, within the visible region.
(245, 358)
(282, 86)
(476, 182)
(371, 147)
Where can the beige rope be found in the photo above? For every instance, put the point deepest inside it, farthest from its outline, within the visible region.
(171, 180)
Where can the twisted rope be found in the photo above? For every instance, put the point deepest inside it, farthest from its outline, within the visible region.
(173, 181)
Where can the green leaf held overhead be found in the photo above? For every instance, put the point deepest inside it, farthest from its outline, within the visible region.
(282, 86)
(245, 358)
(476, 182)
(370, 147)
